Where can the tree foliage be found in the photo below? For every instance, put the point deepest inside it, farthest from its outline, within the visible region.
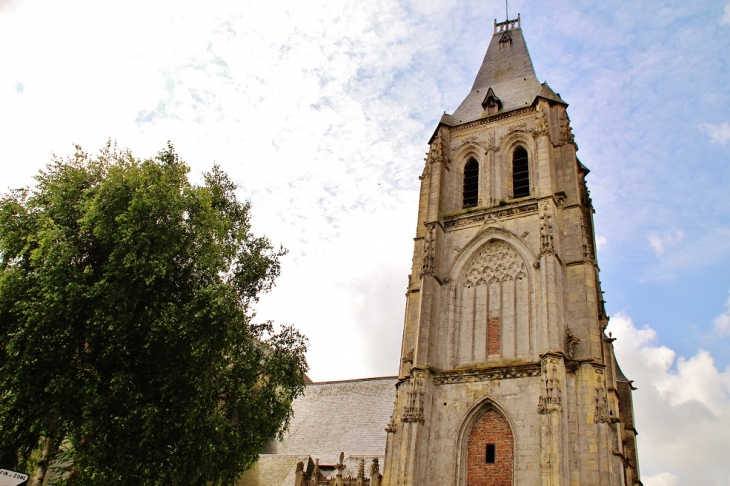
(128, 350)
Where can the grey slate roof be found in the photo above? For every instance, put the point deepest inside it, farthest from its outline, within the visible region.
(620, 374)
(508, 71)
(342, 416)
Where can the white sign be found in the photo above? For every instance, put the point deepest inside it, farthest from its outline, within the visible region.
(11, 478)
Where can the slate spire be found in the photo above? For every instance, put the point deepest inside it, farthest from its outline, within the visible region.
(508, 72)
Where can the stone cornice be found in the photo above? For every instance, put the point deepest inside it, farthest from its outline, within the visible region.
(492, 119)
(485, 374)
(457, 221)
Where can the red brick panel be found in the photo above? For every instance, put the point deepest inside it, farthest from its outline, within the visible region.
(491, 428)
(494, 337)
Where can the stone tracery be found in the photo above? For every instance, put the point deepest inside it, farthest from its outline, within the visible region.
(495, 263)
(491, 306)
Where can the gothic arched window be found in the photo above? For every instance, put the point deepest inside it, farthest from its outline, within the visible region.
(520, 173)
(471, 183)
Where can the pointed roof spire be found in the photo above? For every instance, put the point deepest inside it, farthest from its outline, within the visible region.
(507, 73)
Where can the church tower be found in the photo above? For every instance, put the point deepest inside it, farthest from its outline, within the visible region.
(506, 375)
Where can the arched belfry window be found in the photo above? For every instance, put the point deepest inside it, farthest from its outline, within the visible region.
(471, 183)
(520, 173)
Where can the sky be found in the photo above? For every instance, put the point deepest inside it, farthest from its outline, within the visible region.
(321, 111)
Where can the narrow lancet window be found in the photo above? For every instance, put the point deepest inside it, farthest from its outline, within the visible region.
(520, 173)
(490, 454)
(471, 183)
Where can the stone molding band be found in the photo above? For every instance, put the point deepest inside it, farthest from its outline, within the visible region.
(500, 373)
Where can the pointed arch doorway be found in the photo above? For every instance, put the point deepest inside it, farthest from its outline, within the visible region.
(490, 450)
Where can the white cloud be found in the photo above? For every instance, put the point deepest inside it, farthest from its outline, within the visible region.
(697, 380)
(347, 296)
(681, 405)
(726, 17)
(9, 5)
(719, 133)
(678, 252)
(664, 241)
(722, 322)
(601, 242)
(662, 479)
(299, 104)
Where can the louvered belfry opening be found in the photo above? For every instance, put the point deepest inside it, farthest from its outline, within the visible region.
(520, 173)
(471, 183)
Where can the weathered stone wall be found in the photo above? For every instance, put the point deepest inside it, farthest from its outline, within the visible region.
(457, 410)
(505, 308)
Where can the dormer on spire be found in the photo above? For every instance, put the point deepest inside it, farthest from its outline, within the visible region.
(507, 70)
(505, 40)
(491, 103)
(506, 25)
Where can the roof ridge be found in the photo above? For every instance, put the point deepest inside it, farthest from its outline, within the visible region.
(374, 378)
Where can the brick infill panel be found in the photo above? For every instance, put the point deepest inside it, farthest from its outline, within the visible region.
(491, 428)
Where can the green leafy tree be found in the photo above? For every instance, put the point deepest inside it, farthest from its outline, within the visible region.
(128, 354)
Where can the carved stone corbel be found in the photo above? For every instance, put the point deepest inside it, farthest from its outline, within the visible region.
(391, 427)
(571, 341)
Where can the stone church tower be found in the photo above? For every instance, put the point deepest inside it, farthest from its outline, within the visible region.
(506, 376)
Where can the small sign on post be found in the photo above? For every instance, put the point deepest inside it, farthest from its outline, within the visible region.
(11, 478)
